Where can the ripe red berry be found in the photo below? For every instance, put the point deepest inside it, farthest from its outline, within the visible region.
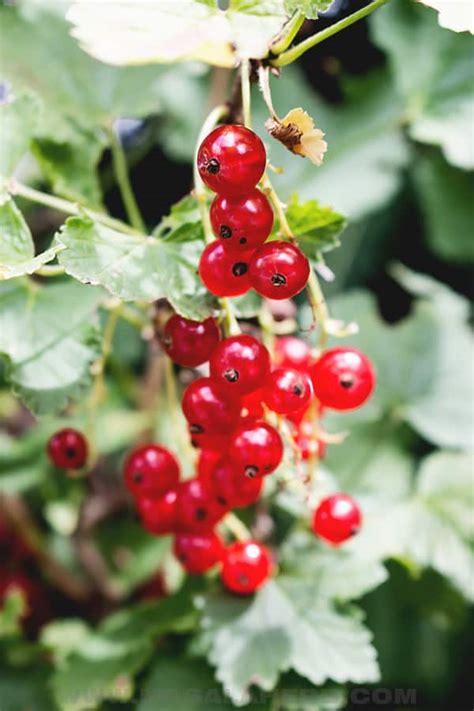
(231, 160)
(151, 471)
(231, 488)
(197, 511)
(223, 273)
(211, 442)
(286, 390)
(246, 566)
(279, 270)
(68, 449)
(337, 518)
(252, 405)
(242, 223)
(292, 352)
(208, 459)
(343, 378)
(209, 409)
(198, 553)
(240, 364)
(158, 515)
(256, 449)
(190, 343)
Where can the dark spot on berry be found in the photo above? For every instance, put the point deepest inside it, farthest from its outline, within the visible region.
(183, 557)
(222, 500)
(346, 381)
(243, 579)
(243, 240)
(70, 452)
(267, 467)
(278, 280)
(194, 444)
(231, 375)
(298, 389)
(251, 471)
(213, 166)
(225, 232)
(354, 530)
(196, 429)
(137, 477)
(239, 269)
(200, 514)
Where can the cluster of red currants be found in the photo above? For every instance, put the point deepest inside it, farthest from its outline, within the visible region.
(231, 161)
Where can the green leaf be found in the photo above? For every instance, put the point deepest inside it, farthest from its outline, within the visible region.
(134, 267)
(18, 117)
(168, 33)
(16, 243)
(439, 95)
(309, 8)
(296, 695)
(445, 200)
(315, 227)
(49, 338)
(363, 166)
(283, 627)
(26, 689)
(183, 224)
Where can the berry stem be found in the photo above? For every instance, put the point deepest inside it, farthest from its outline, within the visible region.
(319, 307)
(238, 529)
(123, 179)
(69, 208)
(288, 33)
(245, 86)
(294, 53)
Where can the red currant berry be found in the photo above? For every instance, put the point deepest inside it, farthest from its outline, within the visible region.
(256, 449)
(68, 449)
(231, 160)
(292, 352)
(246, 566)
(212, 442)
(190, 343)
(209, 409)
(240, 364)
(223, 273)
(343, 378)
(151, 471)
(337, 518)
(208, 459)
(197, 511)
(287, 390)
(158, 515)
(252, 405)
(198, 553)
(242, 223)
(279, 270)
(231, 488)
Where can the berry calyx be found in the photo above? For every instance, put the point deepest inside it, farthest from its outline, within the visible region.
(231, 488)
(197, 511)
(256, 449)
(158, 515)
(151, 471)
(190, 343)
(287, 390)
(343, 378)
(292, 352)
(337, 518)
(224, 273)
(240, 364)
(246, 566)
(68, 449)
(279, 270)
(209, 409)
(231, 160)
(198, 553)
(242, 223)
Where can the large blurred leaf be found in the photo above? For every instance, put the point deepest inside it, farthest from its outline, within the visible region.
(446, 203)
(366, 150)
(283, 627)
(433, 70)
(49, 338)
(134, 267)
(18, 117)
(25, 689)
(140, 32)
(315, 227)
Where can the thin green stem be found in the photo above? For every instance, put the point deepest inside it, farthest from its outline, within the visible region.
(298, 50)
(65, 206)
(287, 34)
(237, 527)
(318, 307)
(51, 270)
(123, 179)
(245, 86)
